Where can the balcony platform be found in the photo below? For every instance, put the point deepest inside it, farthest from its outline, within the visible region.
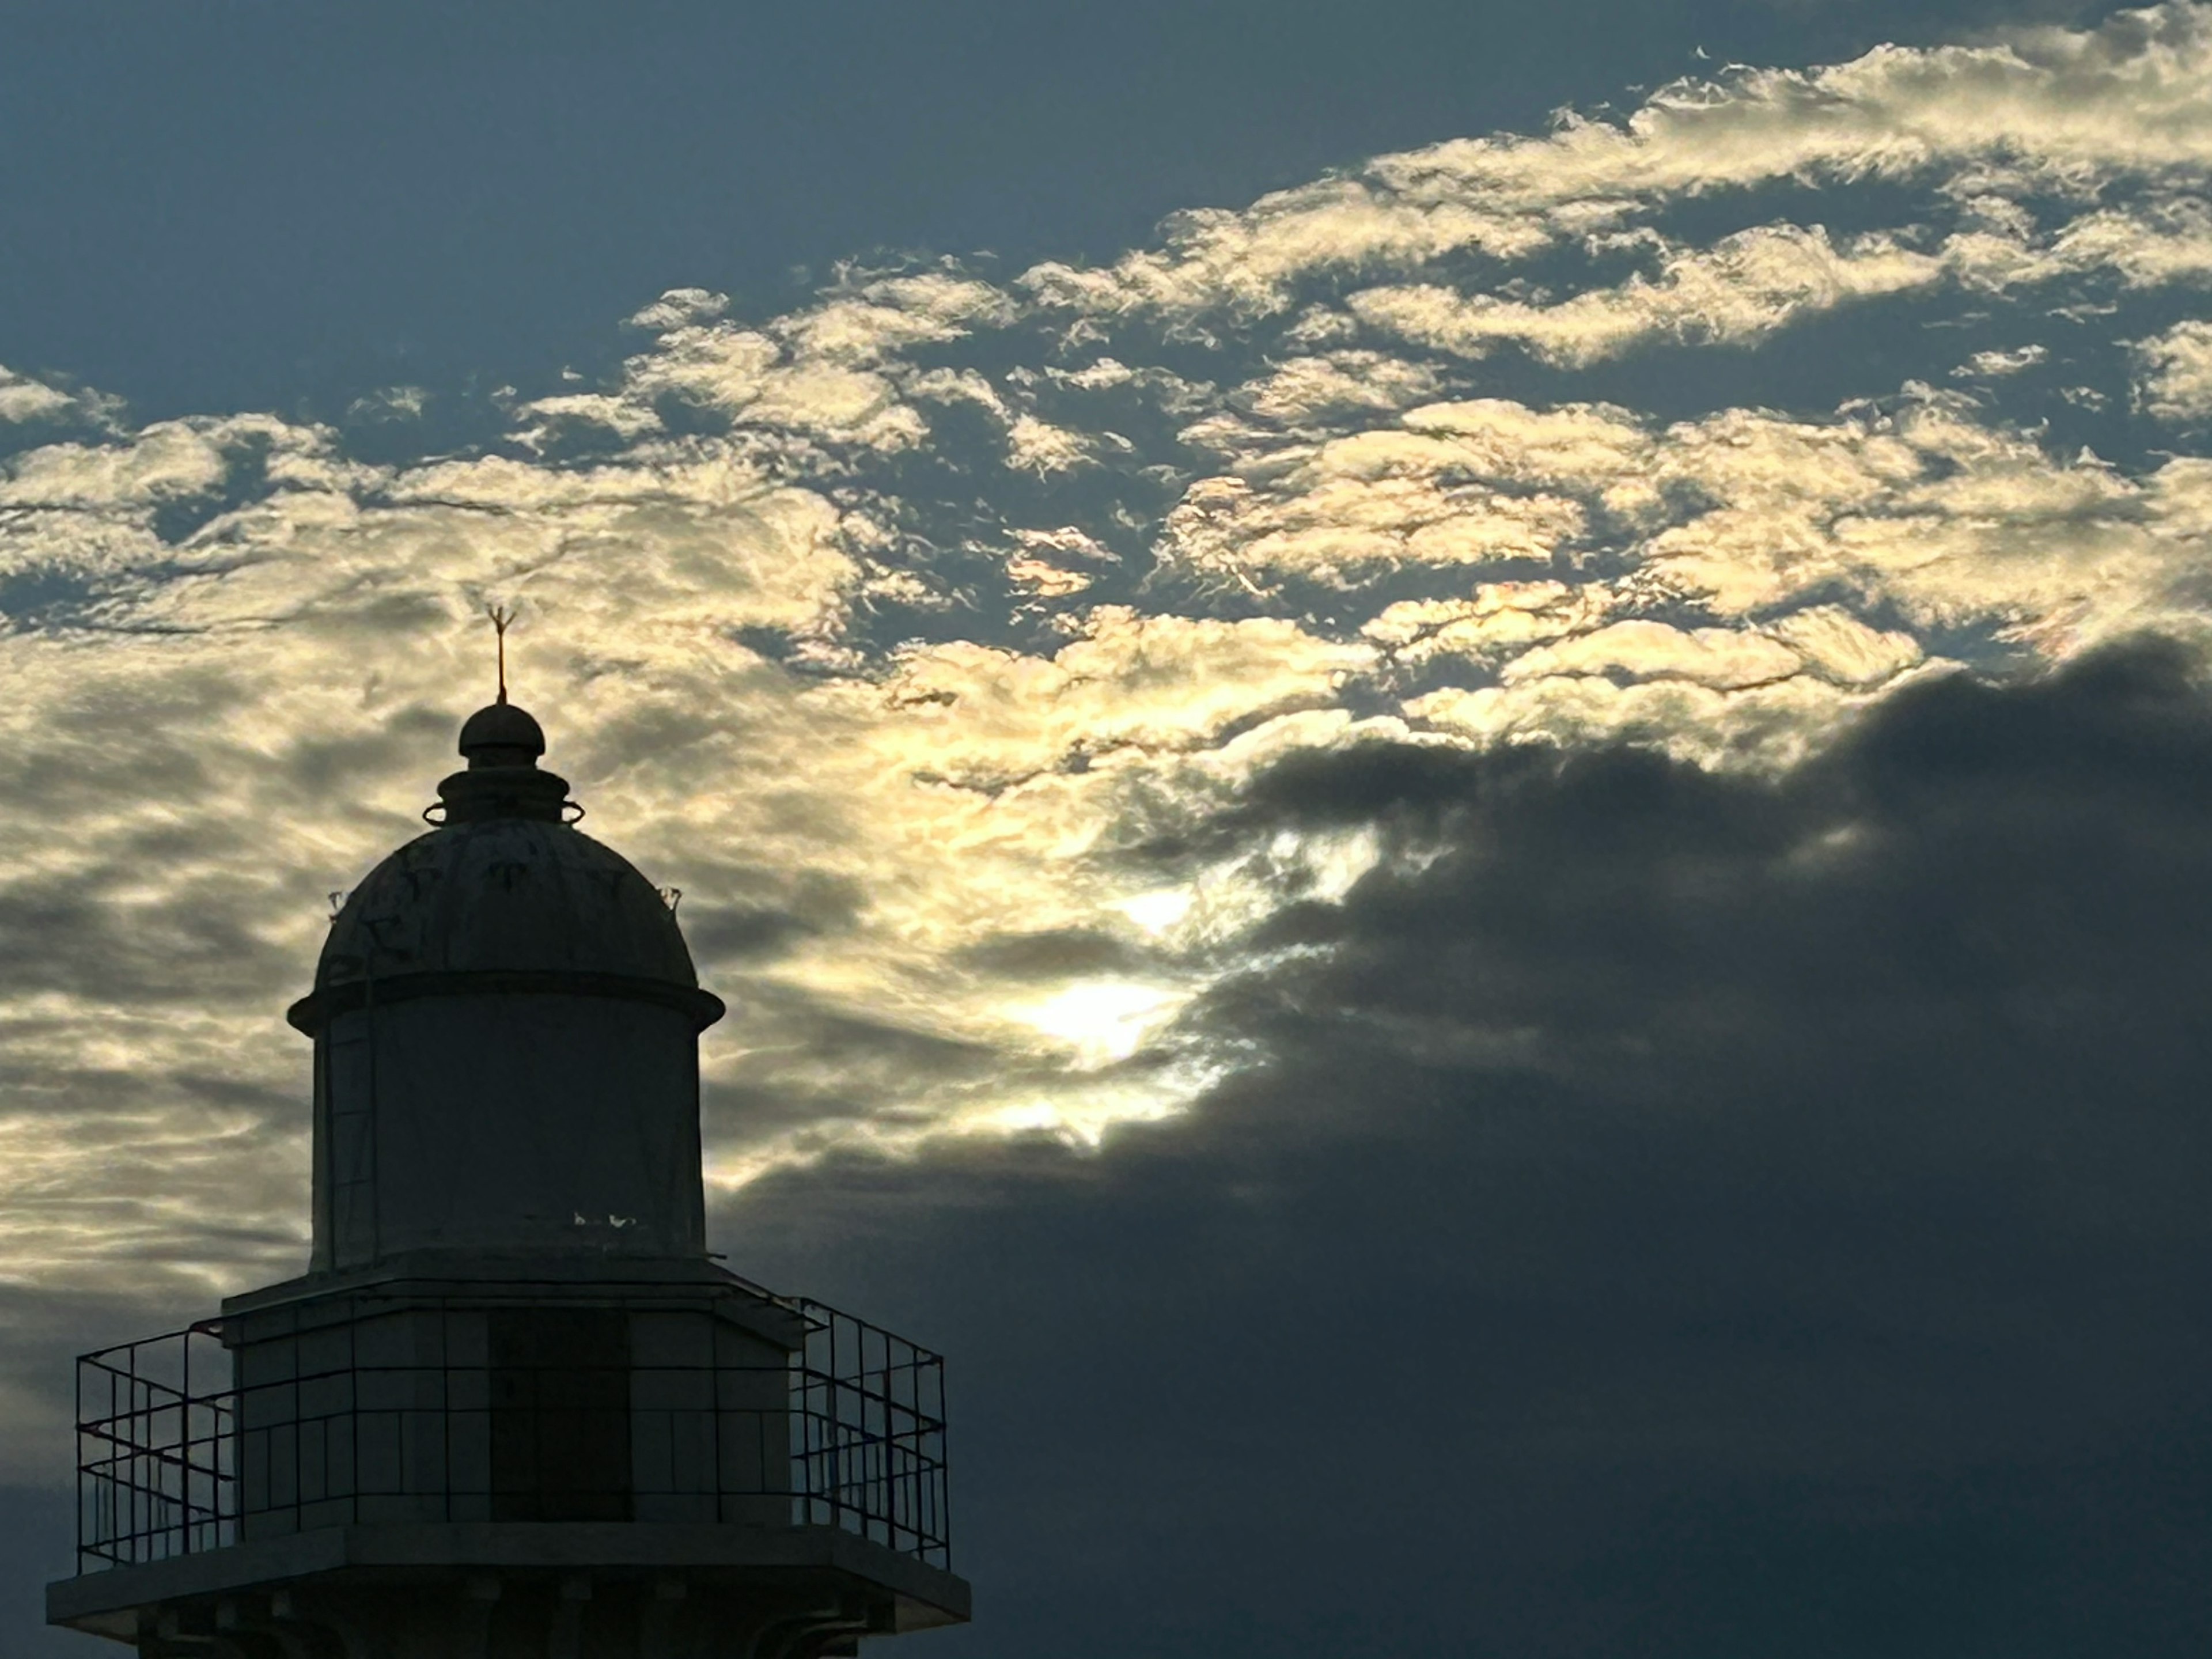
(590, 1470)
(483, 1557)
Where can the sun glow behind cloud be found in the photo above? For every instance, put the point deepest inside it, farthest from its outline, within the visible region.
(915, 634)
(1102, 1021)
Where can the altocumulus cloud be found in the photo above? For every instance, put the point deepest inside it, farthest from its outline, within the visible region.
(1525, 720)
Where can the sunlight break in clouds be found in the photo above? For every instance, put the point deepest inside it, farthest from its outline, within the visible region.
(913, 635)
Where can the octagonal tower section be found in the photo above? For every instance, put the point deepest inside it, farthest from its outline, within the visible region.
(505, 1022)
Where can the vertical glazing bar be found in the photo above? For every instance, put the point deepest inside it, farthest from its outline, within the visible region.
(128, 1454)
(943, 1483)
(353, 1363)
(184, 1446)
(141, 1516)
(445, 1407)
(715, 1399)
(83, 1467)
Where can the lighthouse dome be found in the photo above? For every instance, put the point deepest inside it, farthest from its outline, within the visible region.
(505, 896)
(504, 891)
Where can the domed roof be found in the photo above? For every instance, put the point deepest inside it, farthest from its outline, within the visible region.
(507, 894)
(504, 889)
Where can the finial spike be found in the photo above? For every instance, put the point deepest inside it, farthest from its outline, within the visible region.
(500, 616)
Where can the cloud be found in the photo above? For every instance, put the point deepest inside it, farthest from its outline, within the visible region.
(2168, 241)
(625, 418)
(1764, 728)
(1915, 506)
(1139, 682)
(1478, 741)
(1837, 645)
(865, 321)
(1304, 389)
(1249, 262)
(391, 402)
(2173, 379)
(23, 400)
(1748, 1189)
(904, 629)
(1354, 506)
(1744, 286)
(680, 308)
(814, 373)
(1725, 659)
(2043, 109)
(1037, 445)
(1994, 364)
(174, 458)
(1501, 620)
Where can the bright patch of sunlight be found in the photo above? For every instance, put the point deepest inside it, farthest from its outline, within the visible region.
(1158, 910)
(1104, 1020)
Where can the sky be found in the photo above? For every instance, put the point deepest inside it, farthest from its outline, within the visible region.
(1450, 768)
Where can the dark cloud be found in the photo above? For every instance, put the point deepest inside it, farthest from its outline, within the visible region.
(1054, 952)
(37, 1534)
(819, 1069)
(806, 904)
(1678, 1215)
(74, 938)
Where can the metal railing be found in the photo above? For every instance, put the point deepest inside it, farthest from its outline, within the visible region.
(187, 1444)
(157, 1450)
(868, 1435)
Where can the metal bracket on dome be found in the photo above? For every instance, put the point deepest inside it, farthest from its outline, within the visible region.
(572, 806)
(438, 807)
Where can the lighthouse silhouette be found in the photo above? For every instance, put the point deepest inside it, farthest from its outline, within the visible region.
(513, 1408)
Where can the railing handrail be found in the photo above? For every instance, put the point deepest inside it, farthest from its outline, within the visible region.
(860, 1422)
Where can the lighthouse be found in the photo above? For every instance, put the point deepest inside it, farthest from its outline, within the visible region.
(513, 1406)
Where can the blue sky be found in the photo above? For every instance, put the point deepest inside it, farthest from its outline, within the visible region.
(1541, 676)
(244, 205)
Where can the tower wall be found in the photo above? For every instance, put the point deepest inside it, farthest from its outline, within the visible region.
(507, 1122)
(438, 1408)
